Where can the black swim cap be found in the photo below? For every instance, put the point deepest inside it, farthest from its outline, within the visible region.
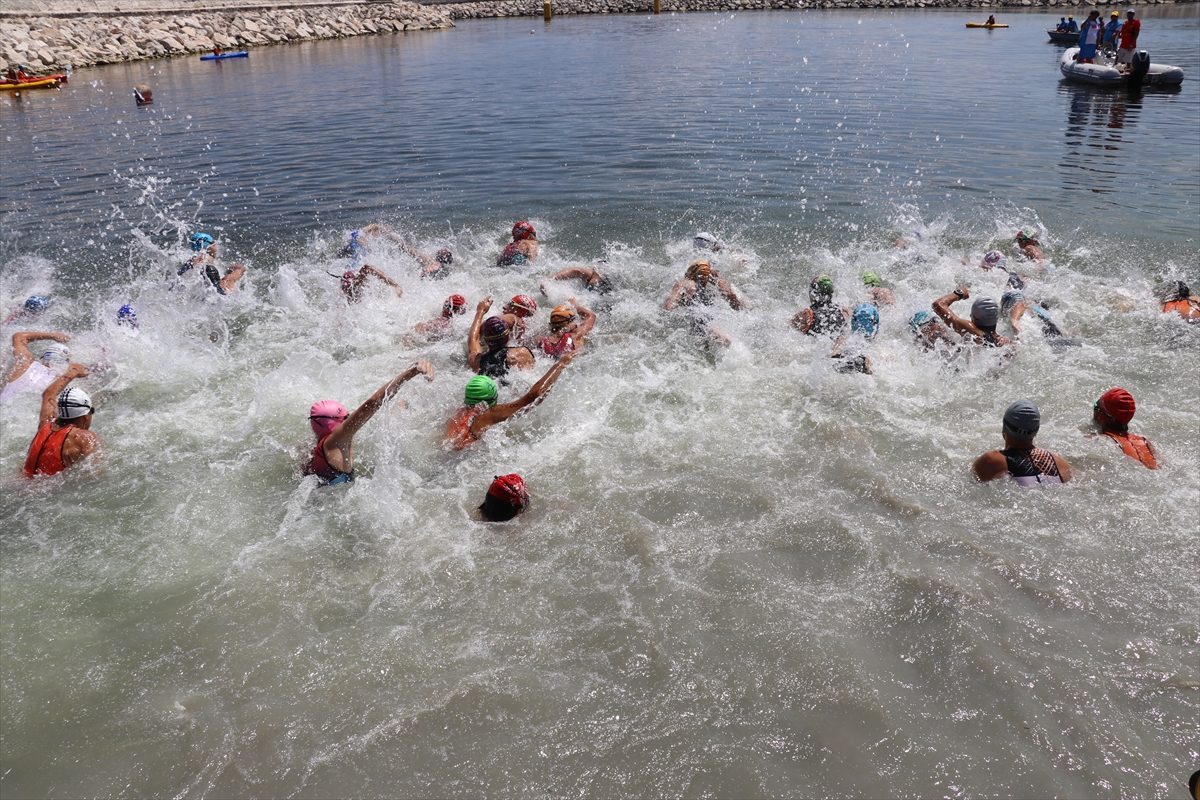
(1022, 421)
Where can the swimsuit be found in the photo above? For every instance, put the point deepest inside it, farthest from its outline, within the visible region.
(560, 348)
(318, 465)
(1135, 447)
(1031, 467)
(823, 319)
(494, 363)
(512, 256)
(458, 429)
(45, 452)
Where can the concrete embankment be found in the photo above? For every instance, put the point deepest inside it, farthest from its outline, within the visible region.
(48, 35)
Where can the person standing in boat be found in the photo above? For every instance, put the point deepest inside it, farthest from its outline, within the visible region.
(1129, 37)
(1089, 38)
(1111, 30)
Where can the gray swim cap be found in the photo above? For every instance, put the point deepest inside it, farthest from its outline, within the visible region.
(985, 312)
(1022, 420)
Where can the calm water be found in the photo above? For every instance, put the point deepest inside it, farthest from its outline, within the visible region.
(743, 573)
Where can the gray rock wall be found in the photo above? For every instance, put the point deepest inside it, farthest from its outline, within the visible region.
(525, 8)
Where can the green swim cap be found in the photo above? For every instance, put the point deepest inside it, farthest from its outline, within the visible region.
(823, 284)
(481, 389)
(872, 280)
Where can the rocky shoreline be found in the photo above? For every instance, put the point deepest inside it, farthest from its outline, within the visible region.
(58, 34)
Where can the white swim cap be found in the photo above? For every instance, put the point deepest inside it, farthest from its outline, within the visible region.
(703, 240)
(74, 402)
(54, 354)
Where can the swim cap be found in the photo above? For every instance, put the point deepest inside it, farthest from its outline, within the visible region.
(1023, 238)
(325, 415)
(821, 289)
(481, 389)
(1117, 405)
(354, 236)
(495, 329)
(995, 258)
(1022, 420)
(510, 489)
(522, 305)
(561, 316)
(199, 241)
(1180, 291)
(127, 316)
(1014, 280)
(703, 241)
(444, 256)
(865, 320)
(455, 304)
(348, 278)
(872, 280)
(37, 303)
(985, 312)
(523, 230)
(55, 353)
(698, 269)
(1010, 299)
(918, 319)
(73, 403)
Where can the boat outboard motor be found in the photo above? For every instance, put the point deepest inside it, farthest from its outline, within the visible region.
(1139, 68)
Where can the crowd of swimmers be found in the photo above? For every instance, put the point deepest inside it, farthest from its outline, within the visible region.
(506, 341)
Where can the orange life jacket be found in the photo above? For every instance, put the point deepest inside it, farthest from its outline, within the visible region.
(45, 452)
(1135, 447)
(458, 429)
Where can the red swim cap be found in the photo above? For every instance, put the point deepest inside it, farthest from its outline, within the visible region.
(510, 489)
(1118, 405)
(523, 230)
(348, 278)
(522, 305)
(455, 304)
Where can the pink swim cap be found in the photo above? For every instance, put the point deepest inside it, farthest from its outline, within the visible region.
(325, 415)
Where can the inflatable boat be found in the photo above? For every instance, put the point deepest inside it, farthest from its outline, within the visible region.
(1105, 73)
(985, 25)
(1068, 38)
(218, 57)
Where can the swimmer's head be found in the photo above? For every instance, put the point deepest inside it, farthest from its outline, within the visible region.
(348, 278)
(1024, 238)
(1022, 420)
(985, 313)
(127, 316)
(444, 257)
(522, 305)
(561, 317)
(871, 280)
(602, 286)
(865, 320)
(995, 258)
(481, 389)
(523, 230)
(918, 319)
(455, 304)
(55, 354)
(1177, 291)
(506, 497)
(495, 332)
(705, 241)
(820, 291)
(699, 270)
(1116, 404)
(36, 304)
(325, 415)
(74, 403)
(199, 241)
(1010, 299)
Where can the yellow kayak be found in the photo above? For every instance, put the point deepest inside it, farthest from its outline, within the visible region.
(45, 83)
(985, 25)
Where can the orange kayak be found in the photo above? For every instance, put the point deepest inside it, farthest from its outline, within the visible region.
(41, 83)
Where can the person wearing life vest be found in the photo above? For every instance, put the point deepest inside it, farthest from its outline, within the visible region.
(567, 329)
(439, 327)
(1111, 31)
(1072, 25)
(480, 410)
(506, 498)
(1112, 413)
(1179, 299)
(64, 436)
(515, 312)
(821, 316)
(1020, 460)
(1089, 38)
(981, 327)
(523, 249)
(488, 352)
(332, 460)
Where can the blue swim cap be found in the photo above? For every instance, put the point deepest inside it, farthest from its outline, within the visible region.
(36, 303)
(199, 241)
(127, 316)
(865, 320)
(918, 319)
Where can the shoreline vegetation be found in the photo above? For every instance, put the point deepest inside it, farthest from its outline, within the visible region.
(53, 35)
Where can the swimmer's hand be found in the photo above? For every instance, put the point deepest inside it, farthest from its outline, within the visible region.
(423, 367)
(966, 293)
(484, 305)
(76, 371)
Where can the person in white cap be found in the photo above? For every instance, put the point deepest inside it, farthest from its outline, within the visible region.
(64, 437)
(34, 367)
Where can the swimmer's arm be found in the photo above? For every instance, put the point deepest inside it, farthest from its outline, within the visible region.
(675, 295)
(474, 342)
(723, 286)
(990, 466)
(801, 321)
(78, 445)
(1064, 469)
(341, 436)
(231, 278)
(21, 353)
(368, 269)
(529, 247)
(837, 347)
(1014, 317)
(531, 398)
(588, 322)
(941, 307)
(49, 410)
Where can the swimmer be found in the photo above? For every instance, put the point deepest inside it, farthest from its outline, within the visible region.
(994, 259)
(1179, 298)
(523, 249)
(710, 243)
(1029, 246)
(506, 497)
(488, 352)
(481, 412)
(64, 436)
(877, 295)
(567, 330)
(441, 327)
(593, 281)
(903, 242)
(352, 282)
(516, 311)
(699, 287)
(1112, 413)
(127, 317)
(206, 259)
(822, 316)
(33, 306)
(981, 327)
(435, 266)
(1014, 305)
(332, 460)
(30, 371)
(1026, 464)
(864, 324)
